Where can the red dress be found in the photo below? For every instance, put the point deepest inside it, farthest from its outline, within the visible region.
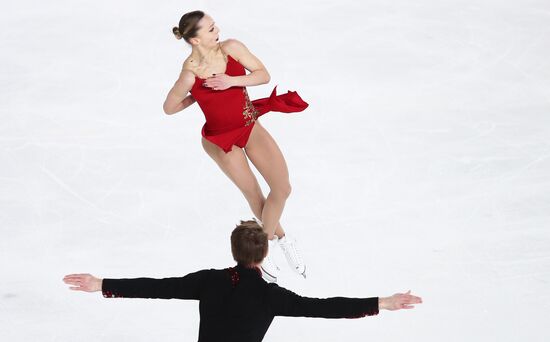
(230, 115)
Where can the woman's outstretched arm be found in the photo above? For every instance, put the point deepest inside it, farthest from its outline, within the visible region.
(187, 287)
(177, 98)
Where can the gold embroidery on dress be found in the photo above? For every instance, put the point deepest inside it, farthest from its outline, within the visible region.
(249, 112)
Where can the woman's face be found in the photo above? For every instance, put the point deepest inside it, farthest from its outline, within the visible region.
(208, 33)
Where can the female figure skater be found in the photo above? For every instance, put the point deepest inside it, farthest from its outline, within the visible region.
(214, 74)
(236, 305)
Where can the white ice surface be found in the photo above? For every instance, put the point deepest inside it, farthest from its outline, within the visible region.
(423, 163)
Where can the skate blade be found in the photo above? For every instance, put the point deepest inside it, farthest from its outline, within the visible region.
(303, 274)
(267, 276)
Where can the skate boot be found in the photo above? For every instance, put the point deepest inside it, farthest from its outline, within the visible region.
(269, 268)
(292, 255)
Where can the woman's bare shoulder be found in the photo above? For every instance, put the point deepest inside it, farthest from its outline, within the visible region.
(233, 46)
(187, 75)
(188, 68)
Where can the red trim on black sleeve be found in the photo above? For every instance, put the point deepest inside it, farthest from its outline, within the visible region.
(372, 306)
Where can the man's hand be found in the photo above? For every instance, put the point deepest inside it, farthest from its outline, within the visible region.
(83, 282)
(398, 301)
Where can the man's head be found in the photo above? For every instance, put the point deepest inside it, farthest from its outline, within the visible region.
(248, 243)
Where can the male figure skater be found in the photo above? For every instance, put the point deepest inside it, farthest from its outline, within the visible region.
(236, 304)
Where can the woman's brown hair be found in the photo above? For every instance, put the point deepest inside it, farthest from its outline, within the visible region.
(188, 27)
(248, 243)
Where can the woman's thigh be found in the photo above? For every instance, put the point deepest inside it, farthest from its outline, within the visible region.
(263, 152)
(235, 165)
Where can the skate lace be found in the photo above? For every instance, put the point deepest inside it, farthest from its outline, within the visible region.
(269, 263)
(291, 252)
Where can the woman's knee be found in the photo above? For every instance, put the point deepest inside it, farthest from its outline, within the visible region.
(282, 191)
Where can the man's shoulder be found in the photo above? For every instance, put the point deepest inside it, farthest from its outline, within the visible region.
(275, 289)
(214, 272)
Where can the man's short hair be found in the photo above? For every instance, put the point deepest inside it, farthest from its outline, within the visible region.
(248, 243)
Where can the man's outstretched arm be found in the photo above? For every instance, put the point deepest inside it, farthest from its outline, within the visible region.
(286, 303)
(187, 287)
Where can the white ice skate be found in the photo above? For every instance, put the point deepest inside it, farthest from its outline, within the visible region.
(269, 268)
(292, 255)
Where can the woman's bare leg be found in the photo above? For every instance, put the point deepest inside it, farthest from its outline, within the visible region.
(263, 152)
(235, 165)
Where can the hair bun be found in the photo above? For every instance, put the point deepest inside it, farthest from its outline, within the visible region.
(176, 32)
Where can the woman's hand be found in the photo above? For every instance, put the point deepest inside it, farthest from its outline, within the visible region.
(399, 301)
(83, 282)
(219, 82)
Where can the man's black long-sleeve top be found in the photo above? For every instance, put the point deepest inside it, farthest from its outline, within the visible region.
(236, 304)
